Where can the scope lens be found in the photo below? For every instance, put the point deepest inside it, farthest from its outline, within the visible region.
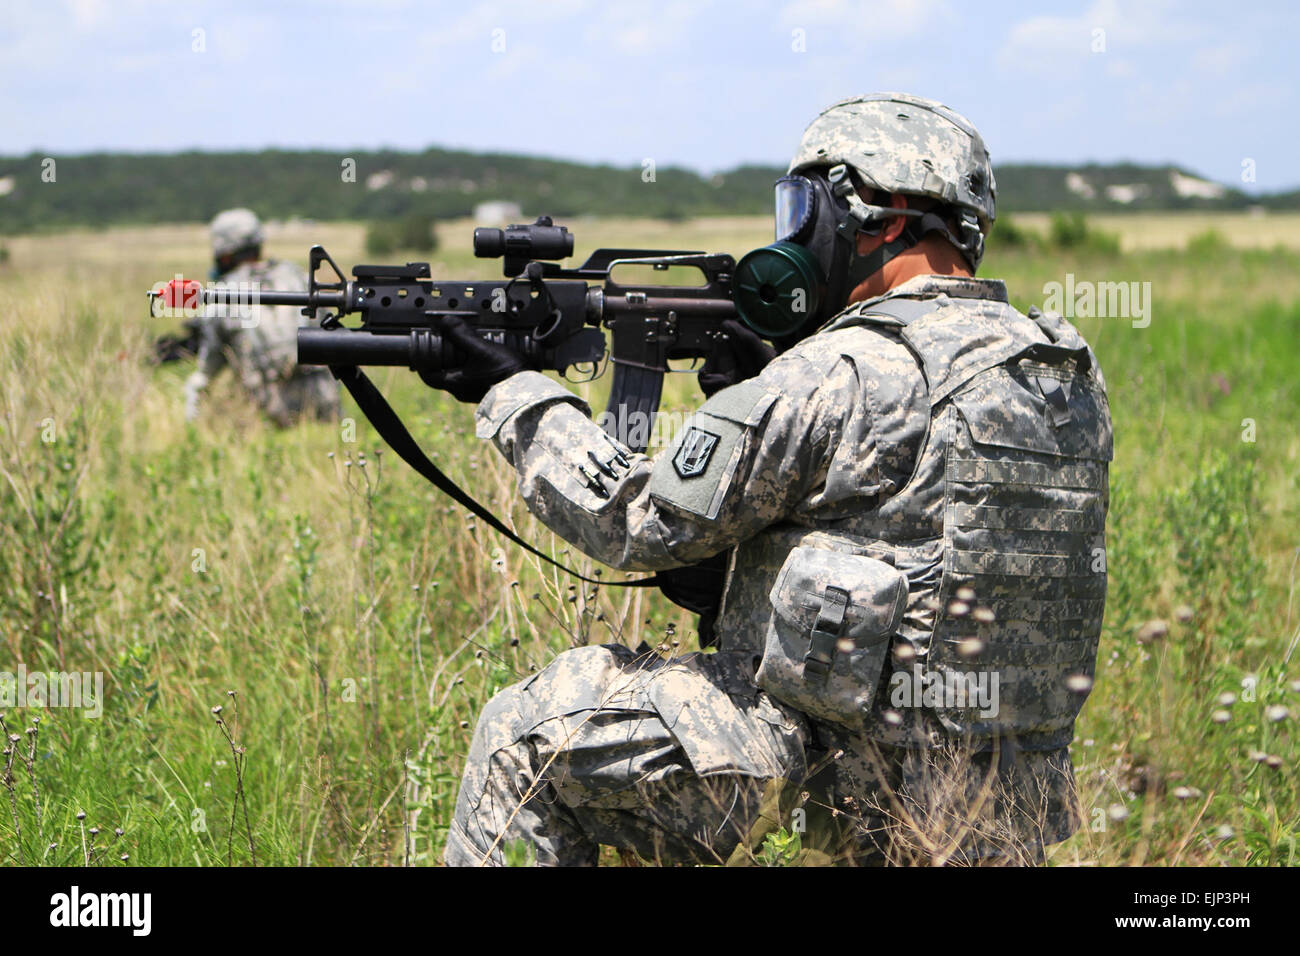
(489, 243)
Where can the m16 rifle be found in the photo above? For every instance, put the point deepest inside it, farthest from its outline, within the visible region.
(552, 317)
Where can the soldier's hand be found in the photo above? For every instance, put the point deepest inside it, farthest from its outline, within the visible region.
(742, 355)
(479, 364)
(698, 588)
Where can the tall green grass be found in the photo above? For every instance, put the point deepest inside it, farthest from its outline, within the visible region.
(350, 623)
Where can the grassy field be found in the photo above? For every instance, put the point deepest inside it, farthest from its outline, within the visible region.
(350, 624)
(1174, 230)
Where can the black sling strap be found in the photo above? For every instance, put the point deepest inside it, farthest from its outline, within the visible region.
(376, 408)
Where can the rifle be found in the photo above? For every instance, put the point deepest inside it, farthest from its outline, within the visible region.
(551, 316)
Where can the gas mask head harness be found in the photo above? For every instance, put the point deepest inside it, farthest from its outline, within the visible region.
(787, 290)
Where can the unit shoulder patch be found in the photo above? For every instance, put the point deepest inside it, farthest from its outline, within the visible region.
(694, 453)
(696, 474)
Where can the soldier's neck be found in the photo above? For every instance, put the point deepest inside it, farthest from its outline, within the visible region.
(931, 256)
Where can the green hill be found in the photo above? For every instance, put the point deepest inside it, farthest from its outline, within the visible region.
(116, 188)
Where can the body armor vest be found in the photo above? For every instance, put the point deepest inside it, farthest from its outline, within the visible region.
(999, 533)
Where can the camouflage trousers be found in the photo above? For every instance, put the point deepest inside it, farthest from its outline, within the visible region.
(669, 758)
(686, 760)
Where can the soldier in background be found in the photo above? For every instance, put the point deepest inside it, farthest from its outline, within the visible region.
(259, 342)
(912, 496)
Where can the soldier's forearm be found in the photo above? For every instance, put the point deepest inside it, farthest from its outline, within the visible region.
(699, 497)
(584, 485)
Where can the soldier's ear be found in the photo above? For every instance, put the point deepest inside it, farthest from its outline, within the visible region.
(895, 225)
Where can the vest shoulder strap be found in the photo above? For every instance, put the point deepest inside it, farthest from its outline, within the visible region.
(951, 357)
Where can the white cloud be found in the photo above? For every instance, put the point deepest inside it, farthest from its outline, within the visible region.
(1220, 59)
(881, 22)
(1053, 43)
(643, 27)
(87, 14)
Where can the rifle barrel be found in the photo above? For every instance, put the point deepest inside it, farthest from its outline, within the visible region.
(249, 295)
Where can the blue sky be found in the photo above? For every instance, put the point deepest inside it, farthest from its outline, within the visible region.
(705, 85)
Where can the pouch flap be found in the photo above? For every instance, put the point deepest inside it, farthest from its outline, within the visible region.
(877, 593)
(1016, 407)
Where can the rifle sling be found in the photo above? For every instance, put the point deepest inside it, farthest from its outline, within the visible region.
(381, 415)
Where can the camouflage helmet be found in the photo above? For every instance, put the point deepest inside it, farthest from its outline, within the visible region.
(906, 144)
(235, 230)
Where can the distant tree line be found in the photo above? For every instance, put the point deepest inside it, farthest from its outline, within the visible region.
(112, 188)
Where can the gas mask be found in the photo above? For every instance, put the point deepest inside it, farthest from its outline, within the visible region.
(787, 290)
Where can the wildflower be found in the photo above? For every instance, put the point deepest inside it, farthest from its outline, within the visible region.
(1153, 630)
(1079, 683)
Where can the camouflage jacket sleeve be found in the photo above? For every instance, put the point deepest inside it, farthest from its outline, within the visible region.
(743, 461)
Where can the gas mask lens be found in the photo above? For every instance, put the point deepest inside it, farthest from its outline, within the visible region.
(796, 202)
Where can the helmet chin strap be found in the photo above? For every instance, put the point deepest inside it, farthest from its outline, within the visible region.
(862, 268)
(860, 215)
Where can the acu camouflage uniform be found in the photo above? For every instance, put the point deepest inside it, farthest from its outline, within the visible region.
(924, 445)
(261, 344)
